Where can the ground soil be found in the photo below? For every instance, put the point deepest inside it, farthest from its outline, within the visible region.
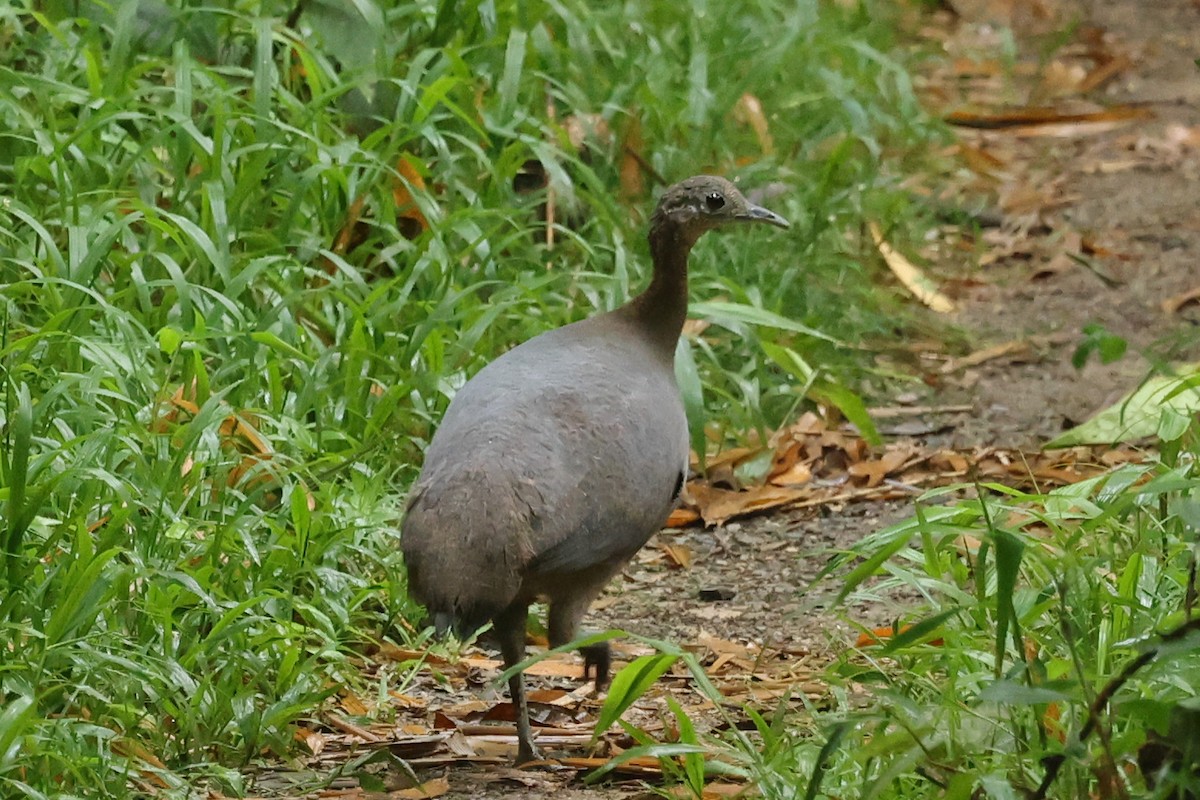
(1146, 214)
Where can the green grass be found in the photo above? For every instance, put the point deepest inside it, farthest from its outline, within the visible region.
(210, 409)
(1054, 647)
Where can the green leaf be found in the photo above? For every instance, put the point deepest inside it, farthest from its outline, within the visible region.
(1013, 693)
(659, 751)
(169, 340)
(727, 314)
(687, 375)
(1138, 414)
(514, 61)
(825, 390)
(630, 684)
(837, 732)
(918, 631)
(1009, 550)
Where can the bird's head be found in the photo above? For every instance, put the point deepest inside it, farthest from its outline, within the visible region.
(704, 202)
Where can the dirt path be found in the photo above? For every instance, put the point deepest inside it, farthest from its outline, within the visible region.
(1132, 191)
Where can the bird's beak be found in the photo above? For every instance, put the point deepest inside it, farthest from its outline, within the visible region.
(755, 213)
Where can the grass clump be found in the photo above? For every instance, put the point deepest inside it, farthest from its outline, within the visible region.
(1053, 650)
(247, 252)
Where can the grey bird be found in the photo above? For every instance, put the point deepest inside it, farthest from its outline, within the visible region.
(561, 458)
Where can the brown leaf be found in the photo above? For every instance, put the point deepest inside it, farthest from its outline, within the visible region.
(724, 646)
(749, 111)
(1104, 72)
(794, 475)
(986, 354)
(550, 667)
(314, 741)
(877, 636)
(716, 506)
(351, 704)
(1061, 78)
(406, 700)
(632, 176)
(1032, 118)
(875, 471)
(909, 274)
(409, 219)
(1176, 303)
(240, 427)
(678, 555)
(682, 517)
(434, 787)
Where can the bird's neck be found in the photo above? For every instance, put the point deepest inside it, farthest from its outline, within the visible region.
(661, 309)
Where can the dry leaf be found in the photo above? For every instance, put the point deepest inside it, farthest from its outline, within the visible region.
(550, 667)
(875, 471)
(409, 219)
(877, 636)
(717, 506)
(986, 354)
(677, 555)
(1028, 119)
(314, 741)
(749, 111)
(682, 517)
(794, 475)
(352, 705)
(1174, 304)
(434, 787)
(632, 175)
(910, 275)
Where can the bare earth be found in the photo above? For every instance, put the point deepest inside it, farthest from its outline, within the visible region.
(1127, 188)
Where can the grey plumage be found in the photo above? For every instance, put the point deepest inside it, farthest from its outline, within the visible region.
(558, 460)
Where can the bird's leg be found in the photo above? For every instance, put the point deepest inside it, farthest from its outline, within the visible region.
(509, 626)
(597, 657)
(563, 624)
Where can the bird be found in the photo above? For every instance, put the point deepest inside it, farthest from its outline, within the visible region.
(559, 459)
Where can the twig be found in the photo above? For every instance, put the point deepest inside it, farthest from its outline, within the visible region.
(294, 17)
(1054, 763)
(646, 166)
(346, 726)
(888, 412)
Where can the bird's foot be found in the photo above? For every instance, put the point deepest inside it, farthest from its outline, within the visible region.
(526, 752)
(597, 657)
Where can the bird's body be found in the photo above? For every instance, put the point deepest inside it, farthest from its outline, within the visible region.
(530, 472)
(561, 458)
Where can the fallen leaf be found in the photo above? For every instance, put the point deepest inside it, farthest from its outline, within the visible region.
(1031, 118)
(1174, 304)
(724, 646)
(985, 355)
(878, 469)
(434, 787)
(749, 111)
(409, 218)
(682, 517)
(878, 636)
(632, 167)
(1104, 72)
(550, 667)
(910, 275)
(794, 475)
(677, 555)
(354, 706)
(717, 506)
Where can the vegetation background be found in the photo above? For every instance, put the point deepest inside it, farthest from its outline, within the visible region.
(247, 252)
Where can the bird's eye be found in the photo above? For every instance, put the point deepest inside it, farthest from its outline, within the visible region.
(714, 201)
